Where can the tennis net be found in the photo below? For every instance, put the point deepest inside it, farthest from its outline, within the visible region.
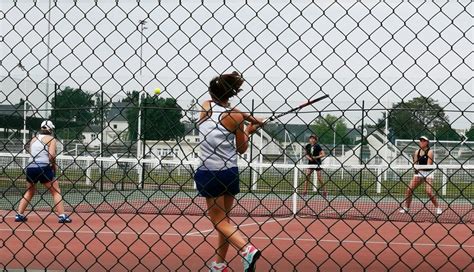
(128, 185)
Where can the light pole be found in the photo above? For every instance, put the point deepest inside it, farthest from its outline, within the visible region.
(48, 47)
(141, 26)
(25, 108)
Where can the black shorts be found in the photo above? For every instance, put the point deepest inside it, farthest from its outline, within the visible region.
(42, 174)
(315, 166)
(217, 183)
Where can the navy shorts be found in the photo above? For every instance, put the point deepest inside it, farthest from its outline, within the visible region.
(39, 174)
(217, 183)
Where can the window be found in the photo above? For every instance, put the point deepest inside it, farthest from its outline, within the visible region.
(115, 126)
(93, 136)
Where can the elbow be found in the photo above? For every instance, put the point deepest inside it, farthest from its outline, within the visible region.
(242, 148)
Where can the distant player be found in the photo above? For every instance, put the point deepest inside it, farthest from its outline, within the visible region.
(423, 156)
(314, 154)
(42, 168)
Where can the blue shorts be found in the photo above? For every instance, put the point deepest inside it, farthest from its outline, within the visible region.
(42, 174)
(217, 183)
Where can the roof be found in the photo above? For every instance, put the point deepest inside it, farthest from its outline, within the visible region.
(12, 110)
(299, 131)
(92, 129)
(118, 111)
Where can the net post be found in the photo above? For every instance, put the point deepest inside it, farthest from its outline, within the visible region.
(254, 178)
(315, 181)
(194, 181)
(260, 160)
(444, 181)
(140, 172)
(88, 171)
(379, 183)
(295, 189)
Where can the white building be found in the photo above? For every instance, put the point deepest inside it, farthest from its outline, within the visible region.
(116, 126)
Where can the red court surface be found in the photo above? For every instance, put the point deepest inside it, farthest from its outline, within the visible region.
(125, 242)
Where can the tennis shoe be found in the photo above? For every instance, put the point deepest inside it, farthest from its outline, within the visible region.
(325, 194)
(63, 218)
(439, 211)
(251, 255)
(404, 210)
(20, 218)
(218, 267)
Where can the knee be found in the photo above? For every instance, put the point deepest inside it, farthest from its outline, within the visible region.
(29, 193)
(55, 190)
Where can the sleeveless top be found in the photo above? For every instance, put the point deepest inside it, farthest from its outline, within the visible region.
(218, 151)
(39, 153)
(423, 160)
(313, 151)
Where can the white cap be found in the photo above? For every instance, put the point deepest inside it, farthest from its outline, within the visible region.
(47, 124)
(424, 138)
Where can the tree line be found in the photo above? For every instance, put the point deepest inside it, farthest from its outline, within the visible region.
(406, 120)
(78, 109)
(73, 110)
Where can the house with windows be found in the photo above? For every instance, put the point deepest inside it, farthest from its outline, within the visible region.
(116, 126)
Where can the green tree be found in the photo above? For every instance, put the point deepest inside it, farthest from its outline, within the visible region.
(446, 132)
(74, 107)
(420, 116)
(160, 118)
(329, 126)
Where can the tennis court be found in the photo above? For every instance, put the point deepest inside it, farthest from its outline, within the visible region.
(160, 227)
(126, 242)
(374, 98)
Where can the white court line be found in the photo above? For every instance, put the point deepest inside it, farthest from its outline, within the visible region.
(197, 234)
(243, 225)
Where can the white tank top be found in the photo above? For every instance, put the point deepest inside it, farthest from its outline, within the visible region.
(217, 144)
(39, 153)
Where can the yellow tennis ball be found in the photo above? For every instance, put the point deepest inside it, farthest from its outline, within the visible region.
(157, 91)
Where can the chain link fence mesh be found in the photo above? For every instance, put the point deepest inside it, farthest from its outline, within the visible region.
(394, 71)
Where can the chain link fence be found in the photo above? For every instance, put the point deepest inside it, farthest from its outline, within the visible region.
(124, 83)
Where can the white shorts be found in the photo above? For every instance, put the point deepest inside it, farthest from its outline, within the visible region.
(425, 174)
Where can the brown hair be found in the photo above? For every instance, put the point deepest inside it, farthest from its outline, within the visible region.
(45, 131)
(225, 86)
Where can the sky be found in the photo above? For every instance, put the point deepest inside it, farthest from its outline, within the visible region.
(370, 53)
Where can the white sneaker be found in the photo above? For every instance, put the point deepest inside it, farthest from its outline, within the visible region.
(218, 267)
(404, 210)
(439, 211)
(250, 256)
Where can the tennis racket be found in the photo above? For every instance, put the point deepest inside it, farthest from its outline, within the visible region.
(296, 109)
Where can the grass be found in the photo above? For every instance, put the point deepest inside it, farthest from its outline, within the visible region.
(272, 180)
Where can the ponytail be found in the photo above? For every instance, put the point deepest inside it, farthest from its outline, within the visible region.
(225, 86)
